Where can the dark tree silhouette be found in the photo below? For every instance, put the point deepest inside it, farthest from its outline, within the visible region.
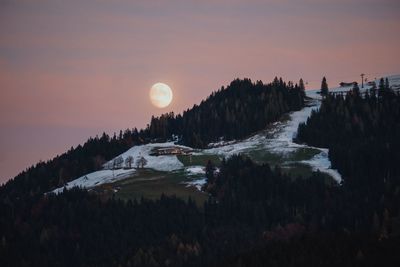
(324, 87)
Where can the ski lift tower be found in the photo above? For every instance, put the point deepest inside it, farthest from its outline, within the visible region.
(362, 80)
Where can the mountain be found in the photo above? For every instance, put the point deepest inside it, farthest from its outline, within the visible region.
(244, 106)
(270, 198)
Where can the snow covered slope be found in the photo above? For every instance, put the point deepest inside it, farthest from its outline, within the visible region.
(94, 179)
(159, 163)
(279, 140)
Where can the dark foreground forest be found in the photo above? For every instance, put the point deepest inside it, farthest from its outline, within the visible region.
(255, 215)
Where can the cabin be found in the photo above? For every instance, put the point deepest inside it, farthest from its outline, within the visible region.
(171, 151)
(344, 84)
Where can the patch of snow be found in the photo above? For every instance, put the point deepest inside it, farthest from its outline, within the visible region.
(220, 143)
(93, 179)
(282, 142)
(159, 163)
(279, 140)
(195, 170)
(236, 147)
(321, 162)
(198, 183)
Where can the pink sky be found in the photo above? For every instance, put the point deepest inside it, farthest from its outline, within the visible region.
(71, 69)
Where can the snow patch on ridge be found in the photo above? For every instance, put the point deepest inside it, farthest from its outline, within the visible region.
(198, 183)
(321, 162)
(159, 163)
(195, 170)
(97, 178)
(279, 140)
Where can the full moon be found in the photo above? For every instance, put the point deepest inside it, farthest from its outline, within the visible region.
(160, 95)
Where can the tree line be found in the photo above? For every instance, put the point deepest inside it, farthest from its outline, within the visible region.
(234, 112)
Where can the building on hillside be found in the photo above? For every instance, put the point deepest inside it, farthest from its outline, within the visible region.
(171, 151)
(344, 84)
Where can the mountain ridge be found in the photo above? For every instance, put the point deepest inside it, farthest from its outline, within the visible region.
(45, 176)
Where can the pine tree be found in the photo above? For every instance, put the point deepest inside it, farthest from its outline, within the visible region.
(373, 89)
(324, 87)
(387, 86)
(381, 84)
(210, 172)
(356, 89)
(302, 87)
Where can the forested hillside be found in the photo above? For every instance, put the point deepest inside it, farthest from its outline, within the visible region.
(234, 112)
(362, 134)
(256, 217)
(77, 161)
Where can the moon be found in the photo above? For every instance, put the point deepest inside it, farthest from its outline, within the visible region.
(161, 95)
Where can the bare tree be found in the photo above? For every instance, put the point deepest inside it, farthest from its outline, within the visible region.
(129, 162)
(117, 163)
(141, 162)
(109, 165)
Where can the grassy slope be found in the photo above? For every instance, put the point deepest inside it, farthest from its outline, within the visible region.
(199, 160)
(151, 184)
(148, 183)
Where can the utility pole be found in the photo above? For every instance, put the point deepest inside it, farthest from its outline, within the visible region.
(362, 80)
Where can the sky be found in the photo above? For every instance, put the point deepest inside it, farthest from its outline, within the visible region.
(77, 68)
